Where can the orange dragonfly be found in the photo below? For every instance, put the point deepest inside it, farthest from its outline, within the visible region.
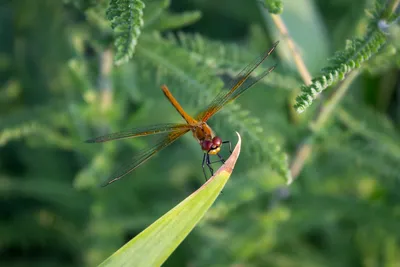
(209, 142)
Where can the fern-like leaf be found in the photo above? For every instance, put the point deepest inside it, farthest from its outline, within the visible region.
(153, 11)
(228, 58)
(41, 122)
(13, 133)
(356, 52)
(273, 6)
(126, 18)
(81, 4)
(387, 59)
(169, 21)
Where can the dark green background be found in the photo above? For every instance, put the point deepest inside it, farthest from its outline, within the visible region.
(343, 209)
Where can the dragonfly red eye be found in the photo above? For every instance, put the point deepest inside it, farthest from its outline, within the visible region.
(217, 141)
(206, 145)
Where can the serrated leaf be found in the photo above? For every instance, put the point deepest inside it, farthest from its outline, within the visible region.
(273, 6)
(126, 18)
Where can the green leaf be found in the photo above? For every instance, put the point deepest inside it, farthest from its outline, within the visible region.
(157, 242)
(154, 10)
(169, 21)
(273, 6)
(357, 52)
(126, 18)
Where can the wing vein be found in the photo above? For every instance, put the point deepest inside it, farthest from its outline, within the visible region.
(144, 155)
(237, 86)
(149, 130)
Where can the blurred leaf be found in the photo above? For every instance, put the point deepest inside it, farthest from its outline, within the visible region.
(273, 6)
(343, 62)
(170, 21)
(306, 28)
(126, 18)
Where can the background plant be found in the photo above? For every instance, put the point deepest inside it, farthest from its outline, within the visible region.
(59, 86)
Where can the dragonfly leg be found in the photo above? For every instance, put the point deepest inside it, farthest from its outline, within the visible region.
(203, 165)
(216, 161)
(206, 161)
(209, 164)
(221, 158)
(230, 145)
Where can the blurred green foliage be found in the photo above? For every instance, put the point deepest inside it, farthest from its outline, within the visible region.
(59, 86)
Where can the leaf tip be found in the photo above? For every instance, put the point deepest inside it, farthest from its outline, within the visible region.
(231, 161)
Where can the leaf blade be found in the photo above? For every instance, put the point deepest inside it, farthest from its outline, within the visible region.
(154, 245)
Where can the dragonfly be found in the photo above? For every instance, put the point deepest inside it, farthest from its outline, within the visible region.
(209, 142)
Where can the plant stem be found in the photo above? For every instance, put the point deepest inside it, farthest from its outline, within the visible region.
(391, 8)
(298, 60)
(280, 25)
(329, 106)
(106, 64)
(327, 109)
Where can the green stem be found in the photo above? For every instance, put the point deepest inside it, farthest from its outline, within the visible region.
(106, 64)
(391, 8)
(327, 109)
(329, 106)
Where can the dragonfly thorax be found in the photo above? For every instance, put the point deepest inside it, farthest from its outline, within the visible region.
(208, 141)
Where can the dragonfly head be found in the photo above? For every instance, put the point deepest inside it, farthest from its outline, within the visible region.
(212, 146)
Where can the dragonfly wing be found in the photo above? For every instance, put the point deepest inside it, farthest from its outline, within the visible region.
(144, 155)
(154, 129)
(238, 86)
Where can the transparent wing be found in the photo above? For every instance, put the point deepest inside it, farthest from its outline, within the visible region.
(237, 87)
(154, 129)
(143, 156)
